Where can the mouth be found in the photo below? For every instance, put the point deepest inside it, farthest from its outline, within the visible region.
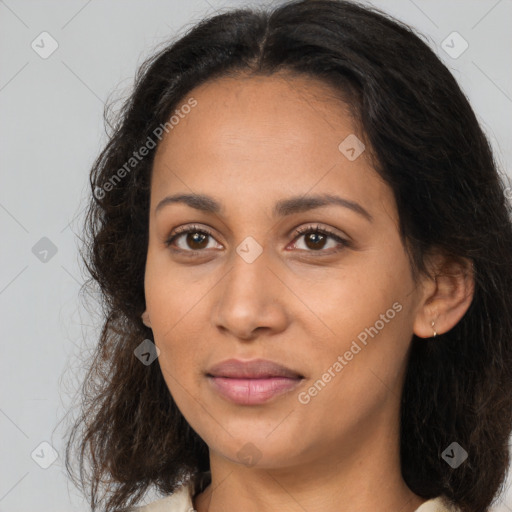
(252, 382)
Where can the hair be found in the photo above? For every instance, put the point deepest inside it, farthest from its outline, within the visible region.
(428, 147)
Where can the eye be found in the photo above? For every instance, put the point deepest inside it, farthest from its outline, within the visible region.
(317, 242)
(196, 238)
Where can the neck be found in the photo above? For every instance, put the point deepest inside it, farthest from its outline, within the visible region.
(363, 476)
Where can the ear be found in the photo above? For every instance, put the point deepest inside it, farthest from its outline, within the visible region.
(446, 297)
(145, 319)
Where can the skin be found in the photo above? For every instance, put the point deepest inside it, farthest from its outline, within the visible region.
(248, 143)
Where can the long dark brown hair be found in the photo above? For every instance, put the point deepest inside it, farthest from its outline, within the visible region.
(428, 146)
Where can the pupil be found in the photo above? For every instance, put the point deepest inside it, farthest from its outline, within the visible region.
(196, 239)
(315, 238)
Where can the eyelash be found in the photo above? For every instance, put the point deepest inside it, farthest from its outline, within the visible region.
(297, 233)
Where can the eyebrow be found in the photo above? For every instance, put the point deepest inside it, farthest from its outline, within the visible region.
(282, 208)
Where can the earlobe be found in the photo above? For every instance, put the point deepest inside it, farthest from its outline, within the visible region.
(446, 298)
(145, 319)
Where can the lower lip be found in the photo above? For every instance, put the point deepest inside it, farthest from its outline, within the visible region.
(252, 391)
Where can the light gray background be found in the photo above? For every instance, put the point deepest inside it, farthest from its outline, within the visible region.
(51, 130)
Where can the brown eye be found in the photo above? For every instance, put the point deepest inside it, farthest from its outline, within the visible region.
(194, 239)
(316, 239)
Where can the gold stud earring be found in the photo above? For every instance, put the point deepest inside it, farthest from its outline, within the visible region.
(435, 333)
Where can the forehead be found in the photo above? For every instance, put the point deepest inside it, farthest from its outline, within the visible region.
(276, 110)
(265, 134)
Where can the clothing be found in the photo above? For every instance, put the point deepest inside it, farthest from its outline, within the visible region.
(181, 499)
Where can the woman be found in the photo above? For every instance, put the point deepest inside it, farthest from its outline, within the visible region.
(303, 244)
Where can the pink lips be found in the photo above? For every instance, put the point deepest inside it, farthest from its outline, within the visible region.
(252, 382)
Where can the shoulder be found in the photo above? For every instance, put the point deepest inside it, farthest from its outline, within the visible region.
(179, 501)
(439, 504)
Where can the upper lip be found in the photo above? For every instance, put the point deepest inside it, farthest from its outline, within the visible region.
(253, 369)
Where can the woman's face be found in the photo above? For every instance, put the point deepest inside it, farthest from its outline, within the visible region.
(336, 309)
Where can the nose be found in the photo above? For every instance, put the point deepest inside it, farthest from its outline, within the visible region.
(250, 298)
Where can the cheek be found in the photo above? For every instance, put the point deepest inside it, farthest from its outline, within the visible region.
(180, 366)
(356, 373)
(345, 302)
(364, 317)
(171, 299)
(173, 311)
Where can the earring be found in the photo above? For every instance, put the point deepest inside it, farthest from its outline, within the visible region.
(435, 333)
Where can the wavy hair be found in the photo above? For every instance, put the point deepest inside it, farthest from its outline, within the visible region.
(427, 145)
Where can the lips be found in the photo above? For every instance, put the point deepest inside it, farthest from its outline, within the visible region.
(254, 369)
(252, 382)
